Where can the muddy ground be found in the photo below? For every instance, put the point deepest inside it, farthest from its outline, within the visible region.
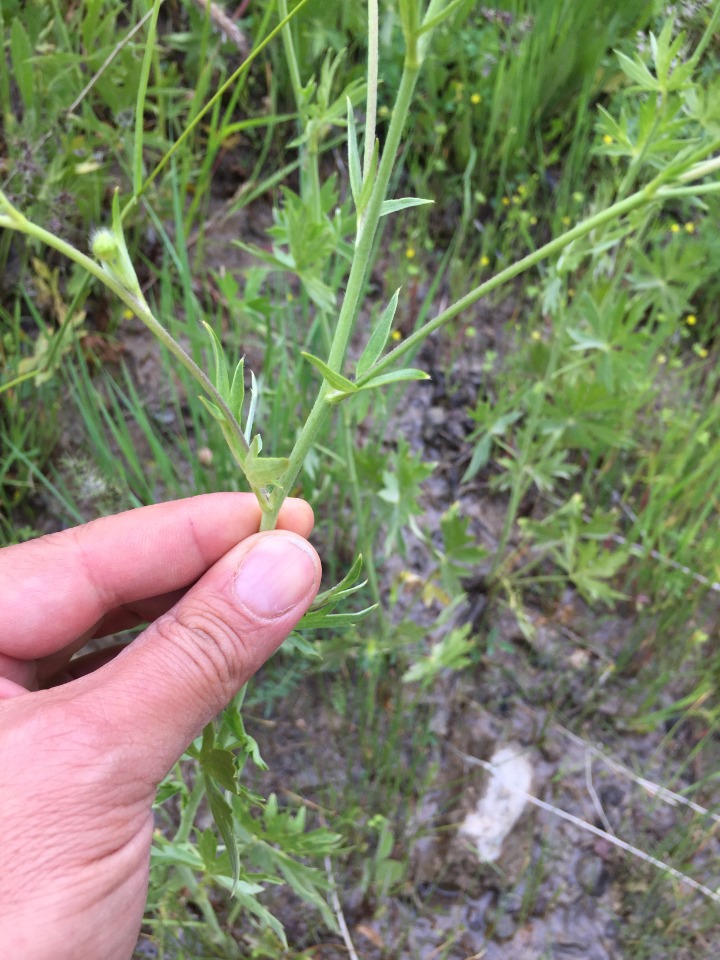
(551, 710)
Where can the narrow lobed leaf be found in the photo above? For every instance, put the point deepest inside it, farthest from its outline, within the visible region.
(254, 394)
(341, 588)
(332, 377)
(214, 410)
(394, 376)
(353, 154)
(378, 338)
(221, 379)
(402, 203)
(236, 397)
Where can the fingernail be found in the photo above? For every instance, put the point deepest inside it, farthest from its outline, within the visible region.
(274, 576)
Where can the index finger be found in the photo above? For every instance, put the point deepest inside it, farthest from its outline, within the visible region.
(58, 587)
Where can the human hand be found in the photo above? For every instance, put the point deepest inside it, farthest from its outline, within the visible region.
(84, 742)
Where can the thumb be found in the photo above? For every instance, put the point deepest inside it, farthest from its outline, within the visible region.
(159, 693)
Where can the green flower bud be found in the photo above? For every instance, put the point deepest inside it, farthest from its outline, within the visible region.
(104, 245)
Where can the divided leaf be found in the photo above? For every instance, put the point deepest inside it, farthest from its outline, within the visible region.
(344, 588)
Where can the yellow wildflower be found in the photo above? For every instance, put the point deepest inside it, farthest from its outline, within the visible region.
(484, 260)
(607, 139)
(476, 98)
(396, 335)
(675, 228)
(691, 319)
(410, 252)
(690, 227)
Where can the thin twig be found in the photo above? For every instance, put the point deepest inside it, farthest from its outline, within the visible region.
(225, 24)
(106, 63)
(591, 828)
(339, 915)
(654, 789)
(638, 550)
(593, 795)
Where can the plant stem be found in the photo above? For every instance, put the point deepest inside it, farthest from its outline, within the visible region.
(12, 219)
(364, 536)
(140, 102)
(537, 256)
(353, 292)
(372, 84)
(189, 813)
(292, 63)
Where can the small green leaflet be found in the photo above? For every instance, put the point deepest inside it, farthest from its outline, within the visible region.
(328, 621)
(402, 203)
(261, 471)
(222, 381)
(213, 408)
(320, 613)
(334, 379)
(237, 390)
(344, 588)
(254, 393)
(342, 387)
(353, 155)
(394, 376)
(378, 338)
(222, 815)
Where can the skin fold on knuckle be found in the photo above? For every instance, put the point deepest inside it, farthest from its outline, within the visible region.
(212, 640)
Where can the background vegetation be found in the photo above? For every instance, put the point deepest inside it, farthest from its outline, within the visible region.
(558, 475)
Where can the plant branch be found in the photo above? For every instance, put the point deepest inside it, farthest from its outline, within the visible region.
(617, 210)
(353, 292)
(12, 219)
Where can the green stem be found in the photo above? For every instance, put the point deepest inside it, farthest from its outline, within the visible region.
(140, 103)
(537, 256)
(372, 86)
(12, 219)
(351, 301)
(289, 47)
(190, 810)
(363, 534)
